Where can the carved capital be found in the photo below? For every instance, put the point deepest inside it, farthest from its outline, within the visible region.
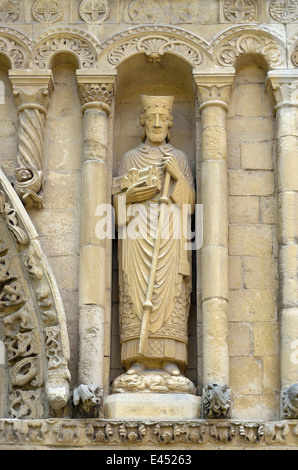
(284, 85)
(214, 87)
(96, 91)
(31, 89)
(31, 92)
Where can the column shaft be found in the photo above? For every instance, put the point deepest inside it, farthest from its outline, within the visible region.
(285, 87)
(96, 97)
(213, 95)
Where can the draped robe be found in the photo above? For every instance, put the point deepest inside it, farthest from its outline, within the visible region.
(167, 337)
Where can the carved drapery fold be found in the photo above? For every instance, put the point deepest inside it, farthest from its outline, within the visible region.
(213, 93)
(285, 89)
(32, 318)
(31, 92)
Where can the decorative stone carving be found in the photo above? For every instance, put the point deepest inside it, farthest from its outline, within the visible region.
(284, 11)
(289, 398)
(53, 433)
(95, 11)
(154, 48)
(47, 11)
(14, 52)
(162, 11)
(216, 401)
(92, 94)
(75, 43)
(9, 10)
(37, 351)
(240, 11)
(294, 56)
(249, 43)
(153, 313)
(31, 92)
(152, 382)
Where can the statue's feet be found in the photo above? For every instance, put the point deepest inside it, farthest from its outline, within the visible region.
(171, 368)
(136, 368)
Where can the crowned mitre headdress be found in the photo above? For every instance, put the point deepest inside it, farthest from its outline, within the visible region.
(157, 102)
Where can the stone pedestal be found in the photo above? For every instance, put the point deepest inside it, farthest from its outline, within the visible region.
(153, 406)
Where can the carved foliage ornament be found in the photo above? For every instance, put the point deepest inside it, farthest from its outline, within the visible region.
(94, 11)
(9, 10)
(33, 332)
(15, 53)
(250, 44)
(240, 11)
(295, 56)
(97, 433)
(155, 48)
(47, 11)
(77, 46)
(284, 11)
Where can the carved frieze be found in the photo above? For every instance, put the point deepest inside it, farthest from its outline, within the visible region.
(47, 11)
(94, 11)
(133, 434)
(162, 11)
(284, 11)
(9, 10)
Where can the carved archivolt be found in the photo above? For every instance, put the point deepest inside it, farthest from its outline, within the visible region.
(16, 47)
(81, 45)
(153, 41)
(32, 318)
(235, 42)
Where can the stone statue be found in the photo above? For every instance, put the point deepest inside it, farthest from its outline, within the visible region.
(154, 268)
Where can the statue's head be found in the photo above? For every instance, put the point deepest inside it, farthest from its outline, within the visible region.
(156, 118)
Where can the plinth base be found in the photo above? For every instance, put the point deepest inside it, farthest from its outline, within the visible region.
(153, 406)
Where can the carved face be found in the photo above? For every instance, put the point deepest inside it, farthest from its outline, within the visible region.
(157, 122)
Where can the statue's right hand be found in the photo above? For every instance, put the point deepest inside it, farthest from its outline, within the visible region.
(139, 192)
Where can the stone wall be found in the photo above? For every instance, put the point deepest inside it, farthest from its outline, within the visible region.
(184, 49)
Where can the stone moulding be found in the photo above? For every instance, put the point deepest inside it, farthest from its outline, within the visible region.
(153, 41)
(245, 40)
(115, 434)
(35, 331)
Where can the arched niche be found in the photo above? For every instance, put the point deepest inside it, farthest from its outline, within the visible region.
(137, 75)
(170, 76)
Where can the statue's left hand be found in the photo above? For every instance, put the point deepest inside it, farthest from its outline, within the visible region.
(171, 166)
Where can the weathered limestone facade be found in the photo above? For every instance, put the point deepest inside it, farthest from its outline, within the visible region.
(71, 76)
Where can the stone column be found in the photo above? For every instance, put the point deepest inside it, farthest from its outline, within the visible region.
(96, 93)
(285, 89)
(31, 91)
(213, 92)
